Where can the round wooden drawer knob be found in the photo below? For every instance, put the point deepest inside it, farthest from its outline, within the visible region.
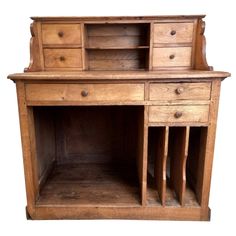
(84, 93)
(62, 58)
(172, 56)
(60, 34)
(178, 114)
(179, 90)
(172, 32)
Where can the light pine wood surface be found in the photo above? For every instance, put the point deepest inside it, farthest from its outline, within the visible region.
(118, 118)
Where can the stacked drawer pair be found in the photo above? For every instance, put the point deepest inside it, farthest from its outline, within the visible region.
(172, 45)
(62, 45)
(191, 103)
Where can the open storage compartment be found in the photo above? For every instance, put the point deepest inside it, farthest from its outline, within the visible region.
(117, 46)
(88, 155)
(175, 165)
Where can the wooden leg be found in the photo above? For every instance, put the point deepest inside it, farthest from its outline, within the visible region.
(28, 147)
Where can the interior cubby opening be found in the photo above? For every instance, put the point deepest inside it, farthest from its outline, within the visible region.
(117, 46)
(88, 154)
(175, 161)
(117, 35)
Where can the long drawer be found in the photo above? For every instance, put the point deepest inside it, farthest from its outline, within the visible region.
(180, 91)
(179, 113)
(85, 92)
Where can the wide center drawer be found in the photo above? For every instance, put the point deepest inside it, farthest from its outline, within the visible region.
(180, 91)
(85, 92)
(179, 113)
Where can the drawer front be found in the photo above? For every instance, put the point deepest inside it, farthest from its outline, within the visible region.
(85, 92)
(173, 33)
(180, 91)
(172, 57)
(62, 58)
(61, 33)
(175, 114)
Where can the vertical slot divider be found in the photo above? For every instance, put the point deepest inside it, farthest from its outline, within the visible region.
(142, 154)
(178, 162)
(160, 163)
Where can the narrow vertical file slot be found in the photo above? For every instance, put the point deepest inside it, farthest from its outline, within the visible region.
(196, 157)
(160, 162)
(178, 151)
(157, 158)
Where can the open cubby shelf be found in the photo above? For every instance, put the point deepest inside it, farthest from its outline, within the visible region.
(86, 161)
(117, 46)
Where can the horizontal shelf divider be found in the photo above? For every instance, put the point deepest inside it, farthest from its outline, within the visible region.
(117, 47)
(62, 46)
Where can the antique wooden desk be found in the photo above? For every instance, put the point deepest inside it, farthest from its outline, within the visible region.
(118, 118)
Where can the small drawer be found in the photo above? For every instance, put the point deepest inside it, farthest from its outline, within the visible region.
(172, 57)
(61, 33)
(180, 91)
(85, 92)
(63, 58)
(173, 33)
(175, 114)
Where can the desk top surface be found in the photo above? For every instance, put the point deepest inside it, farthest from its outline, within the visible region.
(119, 75)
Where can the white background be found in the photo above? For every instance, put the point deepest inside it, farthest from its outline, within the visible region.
(14, 56)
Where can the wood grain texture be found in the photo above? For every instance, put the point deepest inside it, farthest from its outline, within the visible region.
(168, 57)
(167, 76)
(178, 157)
(173, 33)
(119, 19)
(160, 163)
(28, 148)
(45, 140)
(148, 213)
(95, 92)
(200, 54)
(36, 58)
(180, 91)
(197, 113)
(104, 136)
(206, 160)
(63, 58)
(61, 34)
(91, 185)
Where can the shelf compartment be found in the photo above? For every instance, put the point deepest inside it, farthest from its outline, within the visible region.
(158, 151)
(113, 35)
(117, 46)
(175, 162)
(196, 157)
(89, 155)
(117, 59)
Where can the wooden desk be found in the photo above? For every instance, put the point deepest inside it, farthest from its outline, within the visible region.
(118, 118)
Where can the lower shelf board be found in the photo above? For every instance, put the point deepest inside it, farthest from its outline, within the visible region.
(101, 191)
(90, 185)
